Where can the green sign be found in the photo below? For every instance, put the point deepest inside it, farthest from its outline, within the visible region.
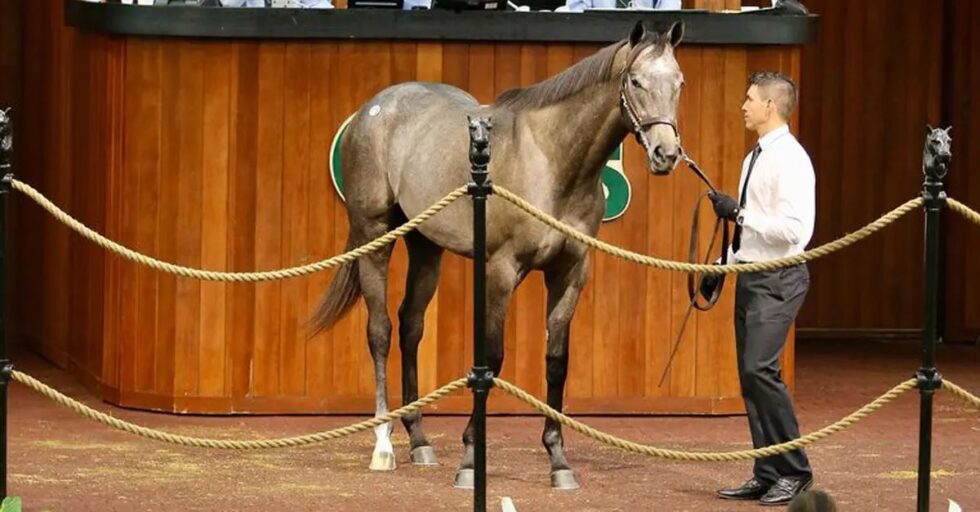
(615, 185)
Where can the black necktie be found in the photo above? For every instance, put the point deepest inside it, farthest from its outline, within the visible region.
(737, 237)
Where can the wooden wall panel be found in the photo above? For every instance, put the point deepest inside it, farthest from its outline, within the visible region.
(227, 168)
(963, 238)
(870, 85)
(18, 244)
(214, 154)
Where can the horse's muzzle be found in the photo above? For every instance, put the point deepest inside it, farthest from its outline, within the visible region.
(662, 166)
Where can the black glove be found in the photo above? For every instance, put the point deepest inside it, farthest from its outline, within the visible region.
(725, 205)
(709, 283)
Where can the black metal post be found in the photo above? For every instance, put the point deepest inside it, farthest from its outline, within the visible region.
(481, 378)
(928, 377)
(6, 146)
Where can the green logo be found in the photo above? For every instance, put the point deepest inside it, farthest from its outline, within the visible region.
(615, 185)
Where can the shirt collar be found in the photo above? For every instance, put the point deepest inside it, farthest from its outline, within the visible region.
(772, 136)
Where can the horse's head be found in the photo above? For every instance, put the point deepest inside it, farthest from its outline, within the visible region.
(937, 153)
(650, 93)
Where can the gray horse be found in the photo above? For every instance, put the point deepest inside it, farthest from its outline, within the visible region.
(408, 146)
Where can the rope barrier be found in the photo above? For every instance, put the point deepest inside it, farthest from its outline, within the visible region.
(664, 453)
(774, 264)
(963, 210)
(227, 444)
(967, 397)
(212, 275)
(391, 236)
(517, 392)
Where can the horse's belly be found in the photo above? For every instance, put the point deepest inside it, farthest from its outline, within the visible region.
(550, 245)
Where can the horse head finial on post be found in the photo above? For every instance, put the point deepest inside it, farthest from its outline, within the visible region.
(936, 154)
(480, 379)
(480, 129)
(6, 138)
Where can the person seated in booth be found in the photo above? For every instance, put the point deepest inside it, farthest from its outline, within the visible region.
(310, 4)
(659, 5)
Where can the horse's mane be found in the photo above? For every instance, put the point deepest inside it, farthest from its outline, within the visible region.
(592, 70)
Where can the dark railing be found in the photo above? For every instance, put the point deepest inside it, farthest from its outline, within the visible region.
(481, 379)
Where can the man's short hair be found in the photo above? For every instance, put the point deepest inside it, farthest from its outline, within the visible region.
(779, 87)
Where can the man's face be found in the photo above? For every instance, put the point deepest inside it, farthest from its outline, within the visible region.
(757, 109)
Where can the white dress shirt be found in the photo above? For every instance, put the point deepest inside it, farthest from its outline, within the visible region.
(777, 219)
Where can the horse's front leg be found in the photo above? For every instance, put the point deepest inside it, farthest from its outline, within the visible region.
(503, 275)
(564, 282)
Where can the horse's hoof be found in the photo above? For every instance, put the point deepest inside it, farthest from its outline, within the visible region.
(424, 456)
(564, 480)
(464, 479)
(383, 461)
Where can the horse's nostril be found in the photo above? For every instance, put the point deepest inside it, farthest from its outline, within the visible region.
(658, 152)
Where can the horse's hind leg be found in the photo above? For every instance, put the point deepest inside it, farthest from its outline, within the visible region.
(423, 276)
(373, 275)
(564, 283)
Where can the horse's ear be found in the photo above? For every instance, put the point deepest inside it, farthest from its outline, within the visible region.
(929, 128)
(948, 128)
(638, 33)
(676, 33)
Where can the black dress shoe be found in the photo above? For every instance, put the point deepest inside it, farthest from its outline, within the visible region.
(785, 489)
(751, 490)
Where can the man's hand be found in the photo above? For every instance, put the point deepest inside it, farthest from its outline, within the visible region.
(725, 205)
(709, 283)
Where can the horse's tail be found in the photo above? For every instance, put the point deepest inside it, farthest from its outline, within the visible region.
(344, 290)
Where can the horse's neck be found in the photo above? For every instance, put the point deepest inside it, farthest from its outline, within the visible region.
(587, 127)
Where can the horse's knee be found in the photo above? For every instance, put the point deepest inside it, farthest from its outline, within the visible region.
(556, 366)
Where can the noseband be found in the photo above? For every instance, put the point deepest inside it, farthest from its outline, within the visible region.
(640, 122)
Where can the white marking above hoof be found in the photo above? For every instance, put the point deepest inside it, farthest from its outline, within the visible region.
(383, 461)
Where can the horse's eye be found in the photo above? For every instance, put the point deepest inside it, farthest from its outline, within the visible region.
(635, 82)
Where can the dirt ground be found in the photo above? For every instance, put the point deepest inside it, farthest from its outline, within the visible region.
(60, 461)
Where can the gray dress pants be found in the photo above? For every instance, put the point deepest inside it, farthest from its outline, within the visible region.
(766, 303)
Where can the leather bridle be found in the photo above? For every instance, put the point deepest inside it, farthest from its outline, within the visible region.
(640, 122)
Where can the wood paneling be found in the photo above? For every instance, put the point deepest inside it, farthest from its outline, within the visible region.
(870, 85)
(962, 77)
(11, 68)
(215, 155)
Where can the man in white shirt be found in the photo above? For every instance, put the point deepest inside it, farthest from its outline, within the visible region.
(774, 218)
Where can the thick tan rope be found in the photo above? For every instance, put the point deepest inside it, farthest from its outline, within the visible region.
(663, 453)
(227, 444)
(211, 275)
(603, 437)
(634, 257)
(962, 393)
(963, 210)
